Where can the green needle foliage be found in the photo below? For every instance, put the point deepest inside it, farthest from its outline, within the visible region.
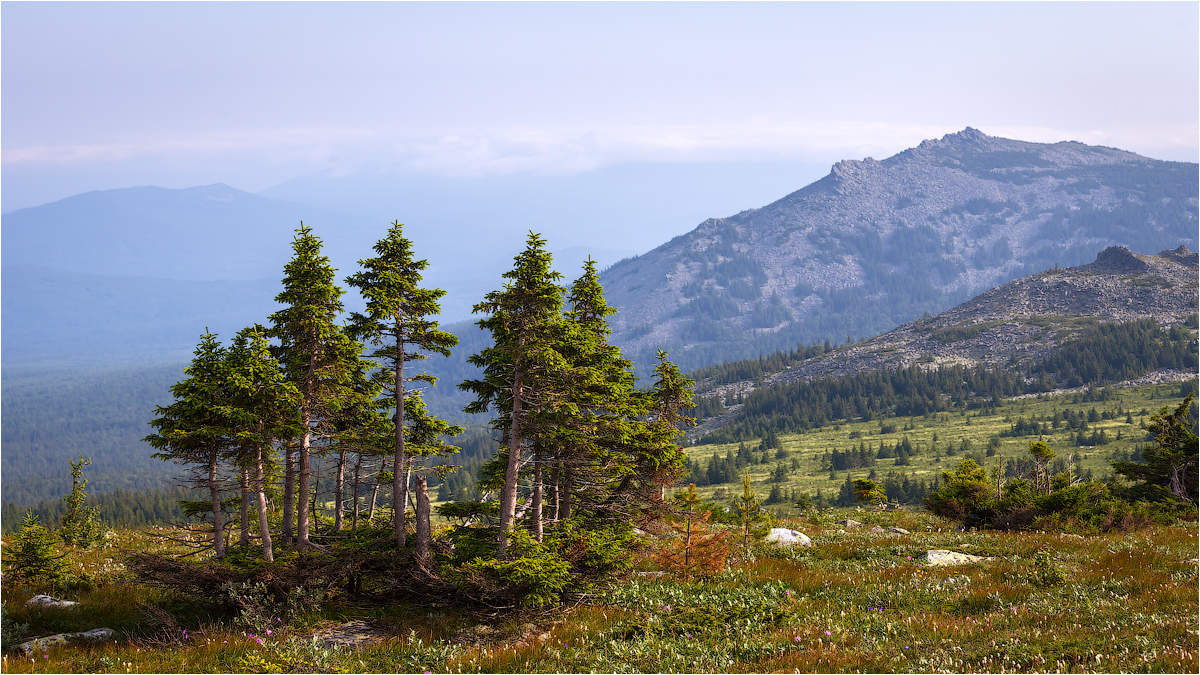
(749, 513)
(316, 354)
(398, 320)
(523, 372)
(870, 492)
(80, 524)
(1169, 470)
(194, 430)
(264, 410)
(32, 558)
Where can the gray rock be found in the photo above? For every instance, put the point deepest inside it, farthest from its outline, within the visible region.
(49, 601)
(783, 537)
(848, 523)
(898, 530)
(875, 529)
(941, 558)
(349, 634)
(87, 637)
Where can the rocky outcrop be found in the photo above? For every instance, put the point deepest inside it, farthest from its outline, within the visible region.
(87, 637)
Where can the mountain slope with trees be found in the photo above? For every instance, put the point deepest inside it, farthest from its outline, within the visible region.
(1120, 317)
(877, 243)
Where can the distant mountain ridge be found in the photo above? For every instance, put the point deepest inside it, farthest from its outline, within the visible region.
(1010, 326)
(876, 243)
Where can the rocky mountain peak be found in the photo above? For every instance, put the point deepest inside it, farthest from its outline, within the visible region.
(876, 243)
(1118, 259)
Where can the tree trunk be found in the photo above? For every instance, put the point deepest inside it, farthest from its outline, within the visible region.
(264, 526)
(399, 482)
(244, 535)
(339, 488)
(214, 495)
(537, 496)
(422, 514)
(565, 498)
(303, 488)
(374, 496)
(687, 545)
(554, 478)
(357, 485)
(289, 495)
(508, 498)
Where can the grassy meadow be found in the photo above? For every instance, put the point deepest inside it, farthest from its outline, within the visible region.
(977, 427)
(853, 602)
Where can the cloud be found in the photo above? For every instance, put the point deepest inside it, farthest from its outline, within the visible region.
(565, 149)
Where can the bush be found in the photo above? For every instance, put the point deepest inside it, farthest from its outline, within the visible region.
(532, 575)
(1046, 572)
(32, 559)
(259, 610)
(12, 632)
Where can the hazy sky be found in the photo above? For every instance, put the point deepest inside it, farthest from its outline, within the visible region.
(105, 95)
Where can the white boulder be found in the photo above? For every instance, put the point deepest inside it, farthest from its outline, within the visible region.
(782, 536)
(49, 601)
(940, 558)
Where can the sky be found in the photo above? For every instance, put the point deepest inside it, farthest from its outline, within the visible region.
(98, 95)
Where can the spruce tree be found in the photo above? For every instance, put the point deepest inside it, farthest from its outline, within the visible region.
(522, 371)
(1170, 467)
(313, 349)
(590, 444)
(265, 409)
(750, 514)
(194, 431)
(31, 555)
(398, 319)
(80, 524)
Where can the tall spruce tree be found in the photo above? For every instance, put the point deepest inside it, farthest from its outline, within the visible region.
(194, 431)
(398, 320)
(265, 409)
(591, 432)
(314, 350)
(522, 371)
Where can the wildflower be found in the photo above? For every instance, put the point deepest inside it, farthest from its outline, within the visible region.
(797, 638)
(268, 631)
(258, 640)
(828, 633)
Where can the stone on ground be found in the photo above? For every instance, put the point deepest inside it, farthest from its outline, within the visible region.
(49, 601)
(93, 636)
(782, 536)
(898, 530)
(939, 558)
(875, 529)
(848, 523)
(349, 634)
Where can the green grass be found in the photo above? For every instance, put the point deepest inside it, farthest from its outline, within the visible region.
(854, 602)
(975, 426)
